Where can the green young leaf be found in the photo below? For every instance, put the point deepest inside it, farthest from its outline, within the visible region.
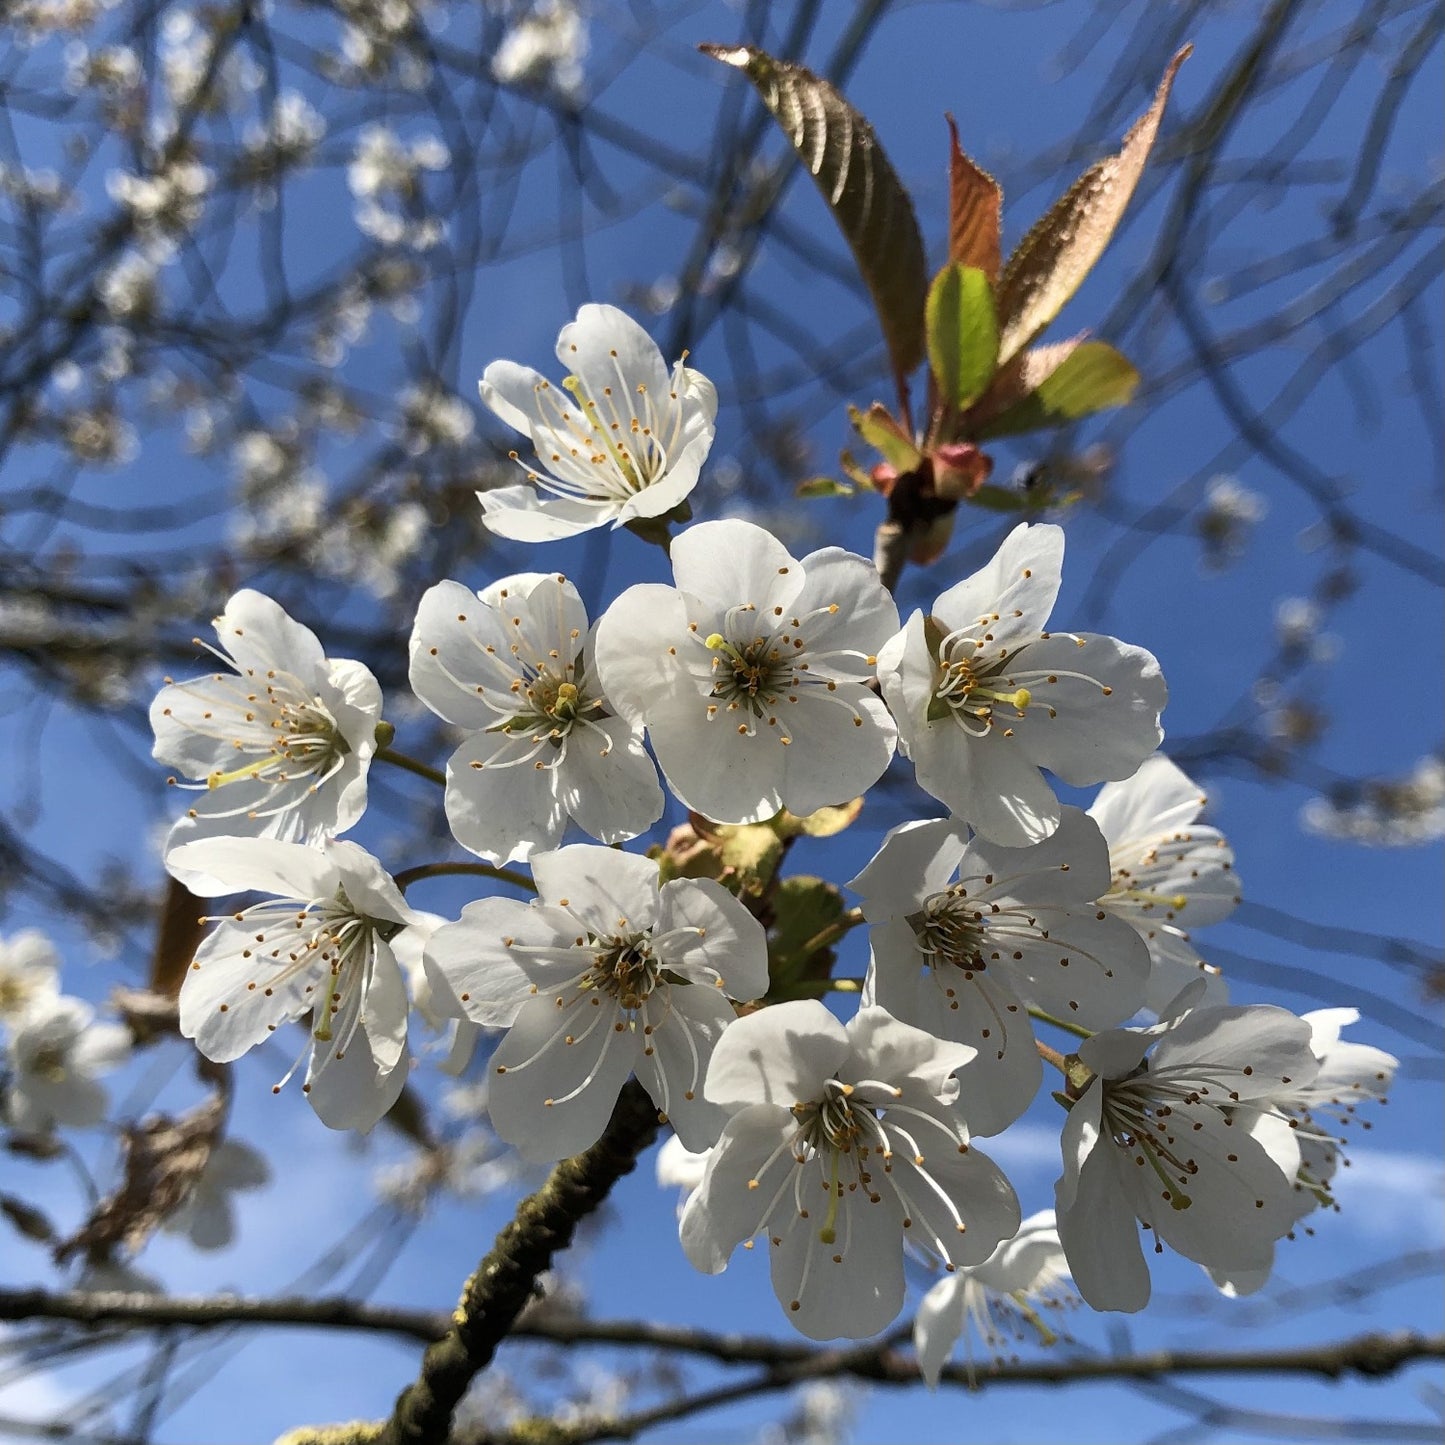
(823, 487)
(1053, 259)
(878, 428)
(962, 333)
(840, 151)
(803, 907)
(1091, 377)
(822, 824)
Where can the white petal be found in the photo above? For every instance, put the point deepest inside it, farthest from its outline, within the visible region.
(1089, 968)
(887, 1049)
(842, 744)
(1158, 799)
(915, 862)
(349, 1091)
(606, 347)
(384, 1010)
(368, 885)
(737, 1185)
(608, 890)
(230, 1002)
(1097, 1226)
(686, 1026)
(673, 486)
(510, 391)
(449, 667)
(938, 1325)
(557, 1074)
(631, 649)
(470, 961)
(1249, 1052)
(214, 867)
(1071, 865)
(866, 617)
(779, 1055)
(608, 783)
(729, 940)
(1074, 727)
(1023, 576)
(990, 782)
(852, 1287)
(734, 563)
(260, 634)
(500, 810)
(518, 514)
(967, 1189)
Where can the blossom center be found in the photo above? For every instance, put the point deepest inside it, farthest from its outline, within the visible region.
(749, 674)
(49, 1063)
(551, 702)
(624, 968)
(295, 737)
(950, 931)
(966, 690)
(16, 991)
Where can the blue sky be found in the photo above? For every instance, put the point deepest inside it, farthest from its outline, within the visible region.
(996, 70)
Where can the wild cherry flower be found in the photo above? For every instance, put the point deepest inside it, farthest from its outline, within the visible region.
(1183, 1140)
(619, 439)
(967, 935)
(207, 1216)
(280, 748)
(984, 697)
(844, 1143)
(1321, 1113)
(1003, 1295)
(320, 946)
(605, 975)
(55, 1055)
(29, 972)
(751, 674)
(513, 666)
(1168, 871)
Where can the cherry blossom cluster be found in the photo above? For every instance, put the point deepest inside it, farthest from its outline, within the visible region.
(760, 686)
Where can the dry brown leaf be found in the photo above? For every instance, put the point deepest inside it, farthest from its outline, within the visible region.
(840, 151)
(975, 211)
(161, 1159)
(1053, 259)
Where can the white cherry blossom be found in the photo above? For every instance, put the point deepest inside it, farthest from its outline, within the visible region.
(54, 1057)
(29, 971)
(844, 1142)
(280, 747)
(605, 975)
(967, 935)
(618, 440)
(751, 674)
(1184, 1142)
(1321, 1112)
(1168, 871)
(207, 1216)
(1003, 1294)
(319, 946)
(512, 666)
(985, 697)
